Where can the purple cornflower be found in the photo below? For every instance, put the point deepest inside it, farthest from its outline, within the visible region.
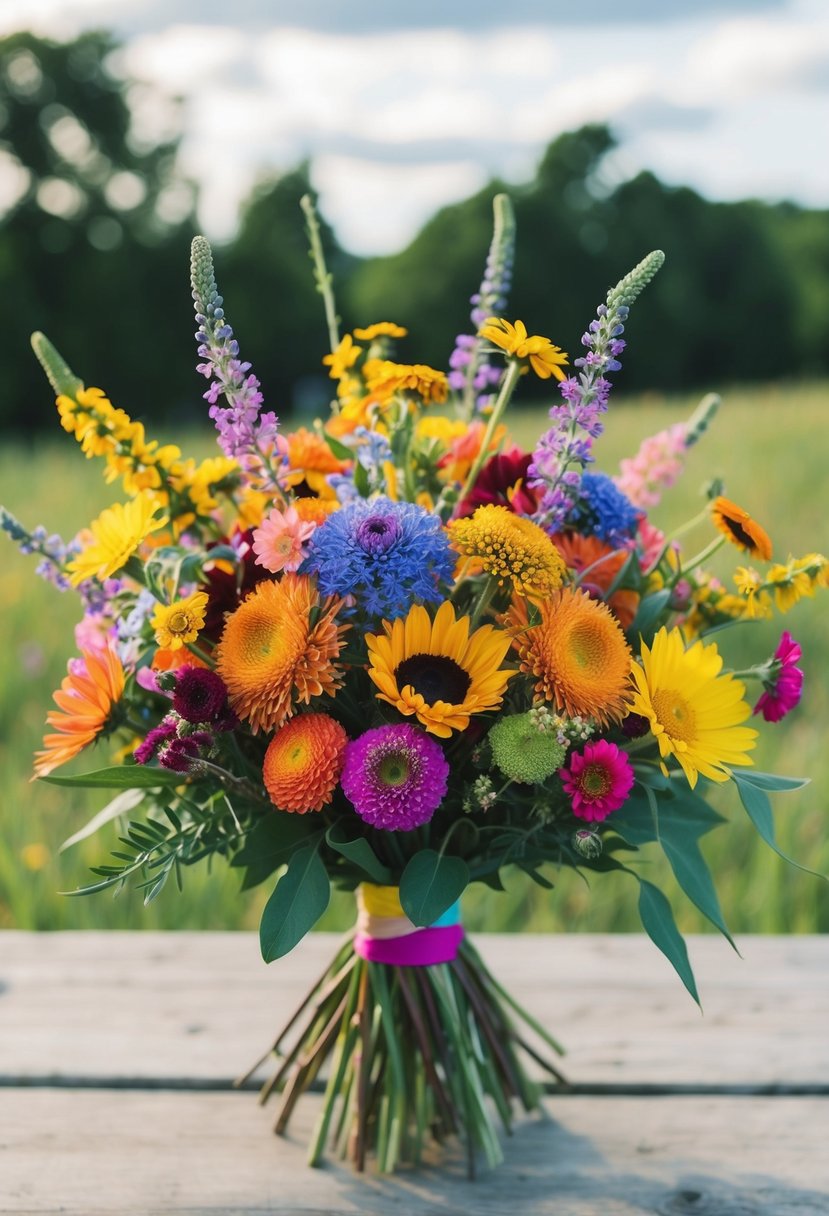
(244, 433)
(471, 375)
(395, 776)
(564, 450)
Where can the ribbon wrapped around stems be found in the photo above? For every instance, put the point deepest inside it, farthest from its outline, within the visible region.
(386, 935)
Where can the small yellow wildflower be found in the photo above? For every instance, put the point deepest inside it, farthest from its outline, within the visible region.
(116, 534)
(380, 329)
(179, 623)
(510, 548)
(544, 358)
(343, 358)
(34, 856)
(389, 379)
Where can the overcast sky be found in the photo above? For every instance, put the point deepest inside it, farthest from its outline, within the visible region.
(403, 108)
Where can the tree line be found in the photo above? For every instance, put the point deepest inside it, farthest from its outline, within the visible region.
(95, 236)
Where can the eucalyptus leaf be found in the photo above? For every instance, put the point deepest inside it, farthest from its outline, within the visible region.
(771, 781)
(431, 883)
(298, 901)
(359, 852)
(658, 921)
(651, 610)
(124, 777)
(121, 804)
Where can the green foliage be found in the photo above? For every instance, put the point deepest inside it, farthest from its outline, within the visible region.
(298, 901)
(660, 926)
(431, 883)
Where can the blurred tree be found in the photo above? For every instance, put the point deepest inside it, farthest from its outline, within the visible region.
(95, 222)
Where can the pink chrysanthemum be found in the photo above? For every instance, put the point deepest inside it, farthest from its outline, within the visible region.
(278, 541)
(598, 780)
(784, 685)
(395, 776)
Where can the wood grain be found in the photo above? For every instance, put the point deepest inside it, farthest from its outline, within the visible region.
(190, 1008)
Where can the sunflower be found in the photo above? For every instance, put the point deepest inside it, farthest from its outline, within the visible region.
(280, 648)
(740, 528)
(116, 534)
(436, 670)
(85, 698)
(510, 548)
(693, 710)
(577, 653)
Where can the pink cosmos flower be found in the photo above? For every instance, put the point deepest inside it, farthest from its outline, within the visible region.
(598, 780)
(784, 684)
(278, 541)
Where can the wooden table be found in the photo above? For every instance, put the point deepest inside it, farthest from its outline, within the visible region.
(117, 1053)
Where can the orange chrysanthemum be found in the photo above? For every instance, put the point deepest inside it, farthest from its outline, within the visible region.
(270, 654)
(85, 700)
(740, 528)
(577, 653)
(303, 763)
(598, 564)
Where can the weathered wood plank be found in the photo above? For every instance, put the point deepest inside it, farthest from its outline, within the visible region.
(97, 1154)
(203, 1006)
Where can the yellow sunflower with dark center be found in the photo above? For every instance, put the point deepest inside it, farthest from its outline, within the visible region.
(577, 653)
(694, 711)
(740, 528)
(437, 670)
(278, 649)
(511, 548)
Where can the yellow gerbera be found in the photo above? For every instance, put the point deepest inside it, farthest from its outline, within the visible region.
(436, 670)
(544, 358)
(577, 653)
(694, 711)
(116, 534)
(511, 548)
(177, 624)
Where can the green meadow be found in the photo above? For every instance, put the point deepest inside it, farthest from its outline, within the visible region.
(768, 446)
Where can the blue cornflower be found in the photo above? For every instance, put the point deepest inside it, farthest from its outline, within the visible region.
(387, 555)
(603, 510)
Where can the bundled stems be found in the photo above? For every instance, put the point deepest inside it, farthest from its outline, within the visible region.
(417, 1056)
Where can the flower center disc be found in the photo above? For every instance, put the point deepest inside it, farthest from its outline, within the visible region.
(595, 781)
(675, 715)
(178, 623)
(393, 770)
(434, 677)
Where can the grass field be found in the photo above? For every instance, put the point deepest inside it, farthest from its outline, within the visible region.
(767, 444)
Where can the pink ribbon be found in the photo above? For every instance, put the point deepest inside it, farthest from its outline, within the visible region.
(437, 944)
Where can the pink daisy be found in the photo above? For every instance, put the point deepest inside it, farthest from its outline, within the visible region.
(784, 682)
(598, 780)
(278, 541)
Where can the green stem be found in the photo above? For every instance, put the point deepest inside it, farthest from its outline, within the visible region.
(322, 275)
(507, 389)
(483, 601)
(702, 556)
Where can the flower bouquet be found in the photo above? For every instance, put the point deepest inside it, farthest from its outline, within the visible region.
(395, 654)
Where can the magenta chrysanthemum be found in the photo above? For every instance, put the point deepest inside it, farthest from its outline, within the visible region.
(784, 685)
(395, 776)
(598, 780)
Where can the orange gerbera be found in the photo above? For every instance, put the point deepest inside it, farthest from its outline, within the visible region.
(85, 699)
(577, 653)
(310, 460)
(303, 763)
(598, 565)
(280, 648)
(740, 528)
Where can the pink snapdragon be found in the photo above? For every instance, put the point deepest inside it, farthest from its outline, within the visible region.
(655, 467)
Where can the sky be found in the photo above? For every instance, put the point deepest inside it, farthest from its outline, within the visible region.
(405, 108)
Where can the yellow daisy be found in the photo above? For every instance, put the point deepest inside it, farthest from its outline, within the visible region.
(343, 358)
(116, 534)
(177, 624)
(694, 711)
(544, 358)
(436, 670)
(387, 379)
(380, 329)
